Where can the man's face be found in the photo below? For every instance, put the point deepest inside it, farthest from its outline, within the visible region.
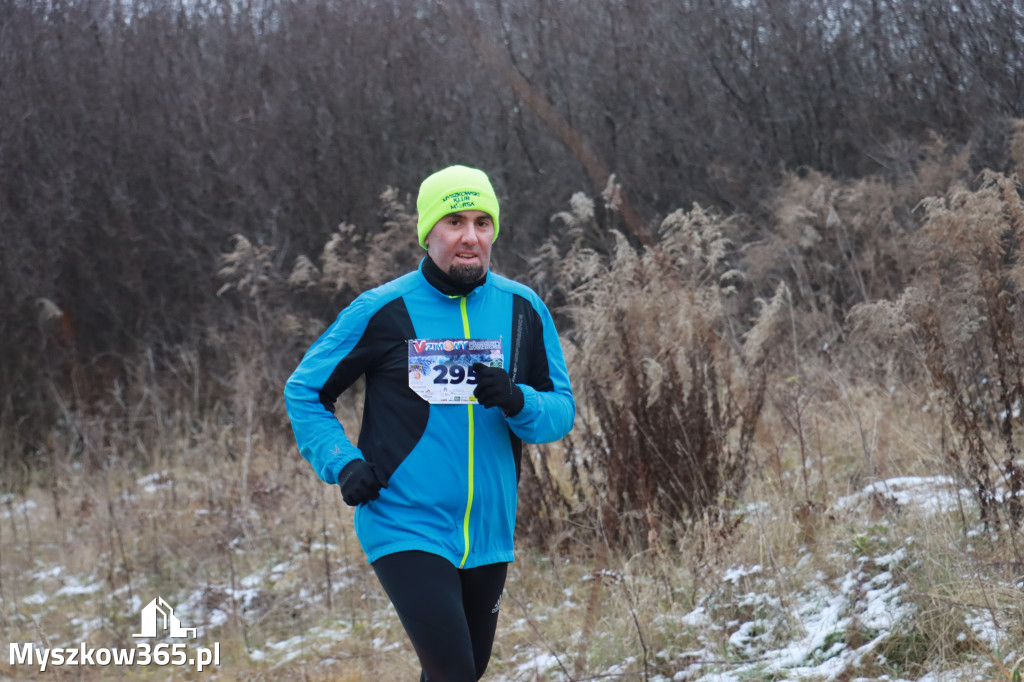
(460, 244)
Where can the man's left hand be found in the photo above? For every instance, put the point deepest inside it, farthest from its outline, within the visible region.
(494, 388)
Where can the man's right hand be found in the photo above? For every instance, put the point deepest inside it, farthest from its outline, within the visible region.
(359, 482)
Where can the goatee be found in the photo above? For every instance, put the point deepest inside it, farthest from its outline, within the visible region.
(466, 274)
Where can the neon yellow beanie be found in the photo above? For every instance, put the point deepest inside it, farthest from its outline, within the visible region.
(454, 189)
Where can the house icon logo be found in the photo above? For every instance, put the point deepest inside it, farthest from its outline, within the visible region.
(158, 615)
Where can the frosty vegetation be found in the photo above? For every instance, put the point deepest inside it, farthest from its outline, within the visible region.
(792, 317)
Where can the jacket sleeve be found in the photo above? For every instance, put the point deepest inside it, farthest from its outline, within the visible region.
(548, 404)
(336, 358)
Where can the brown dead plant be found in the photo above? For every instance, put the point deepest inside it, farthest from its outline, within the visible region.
(669, 391)
(962, 318)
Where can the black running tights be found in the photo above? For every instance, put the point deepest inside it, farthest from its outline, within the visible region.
(450, 614)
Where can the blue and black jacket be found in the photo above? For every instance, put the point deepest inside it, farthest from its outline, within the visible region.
(451, 469)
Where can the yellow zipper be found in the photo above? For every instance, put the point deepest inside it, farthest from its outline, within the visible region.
(469, 498)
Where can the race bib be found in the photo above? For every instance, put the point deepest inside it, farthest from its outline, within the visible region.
(441, 370)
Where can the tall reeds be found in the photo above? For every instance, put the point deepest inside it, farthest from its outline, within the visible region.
(669, 388)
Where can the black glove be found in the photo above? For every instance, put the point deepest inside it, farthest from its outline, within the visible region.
(359, 482)
(494, 388)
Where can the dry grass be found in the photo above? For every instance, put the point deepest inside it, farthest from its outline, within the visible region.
(959, 318)
(736, 490)
(278, 570)
(669, 391)
(267, 562)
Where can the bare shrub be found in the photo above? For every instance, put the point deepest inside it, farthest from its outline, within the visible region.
(353, 260)
(836, 243)
(939, 167)
(961, 317)
(1017, 144)
(139, 135)
(669, 395)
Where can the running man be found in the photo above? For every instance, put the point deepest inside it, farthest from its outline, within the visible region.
(462, 367)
